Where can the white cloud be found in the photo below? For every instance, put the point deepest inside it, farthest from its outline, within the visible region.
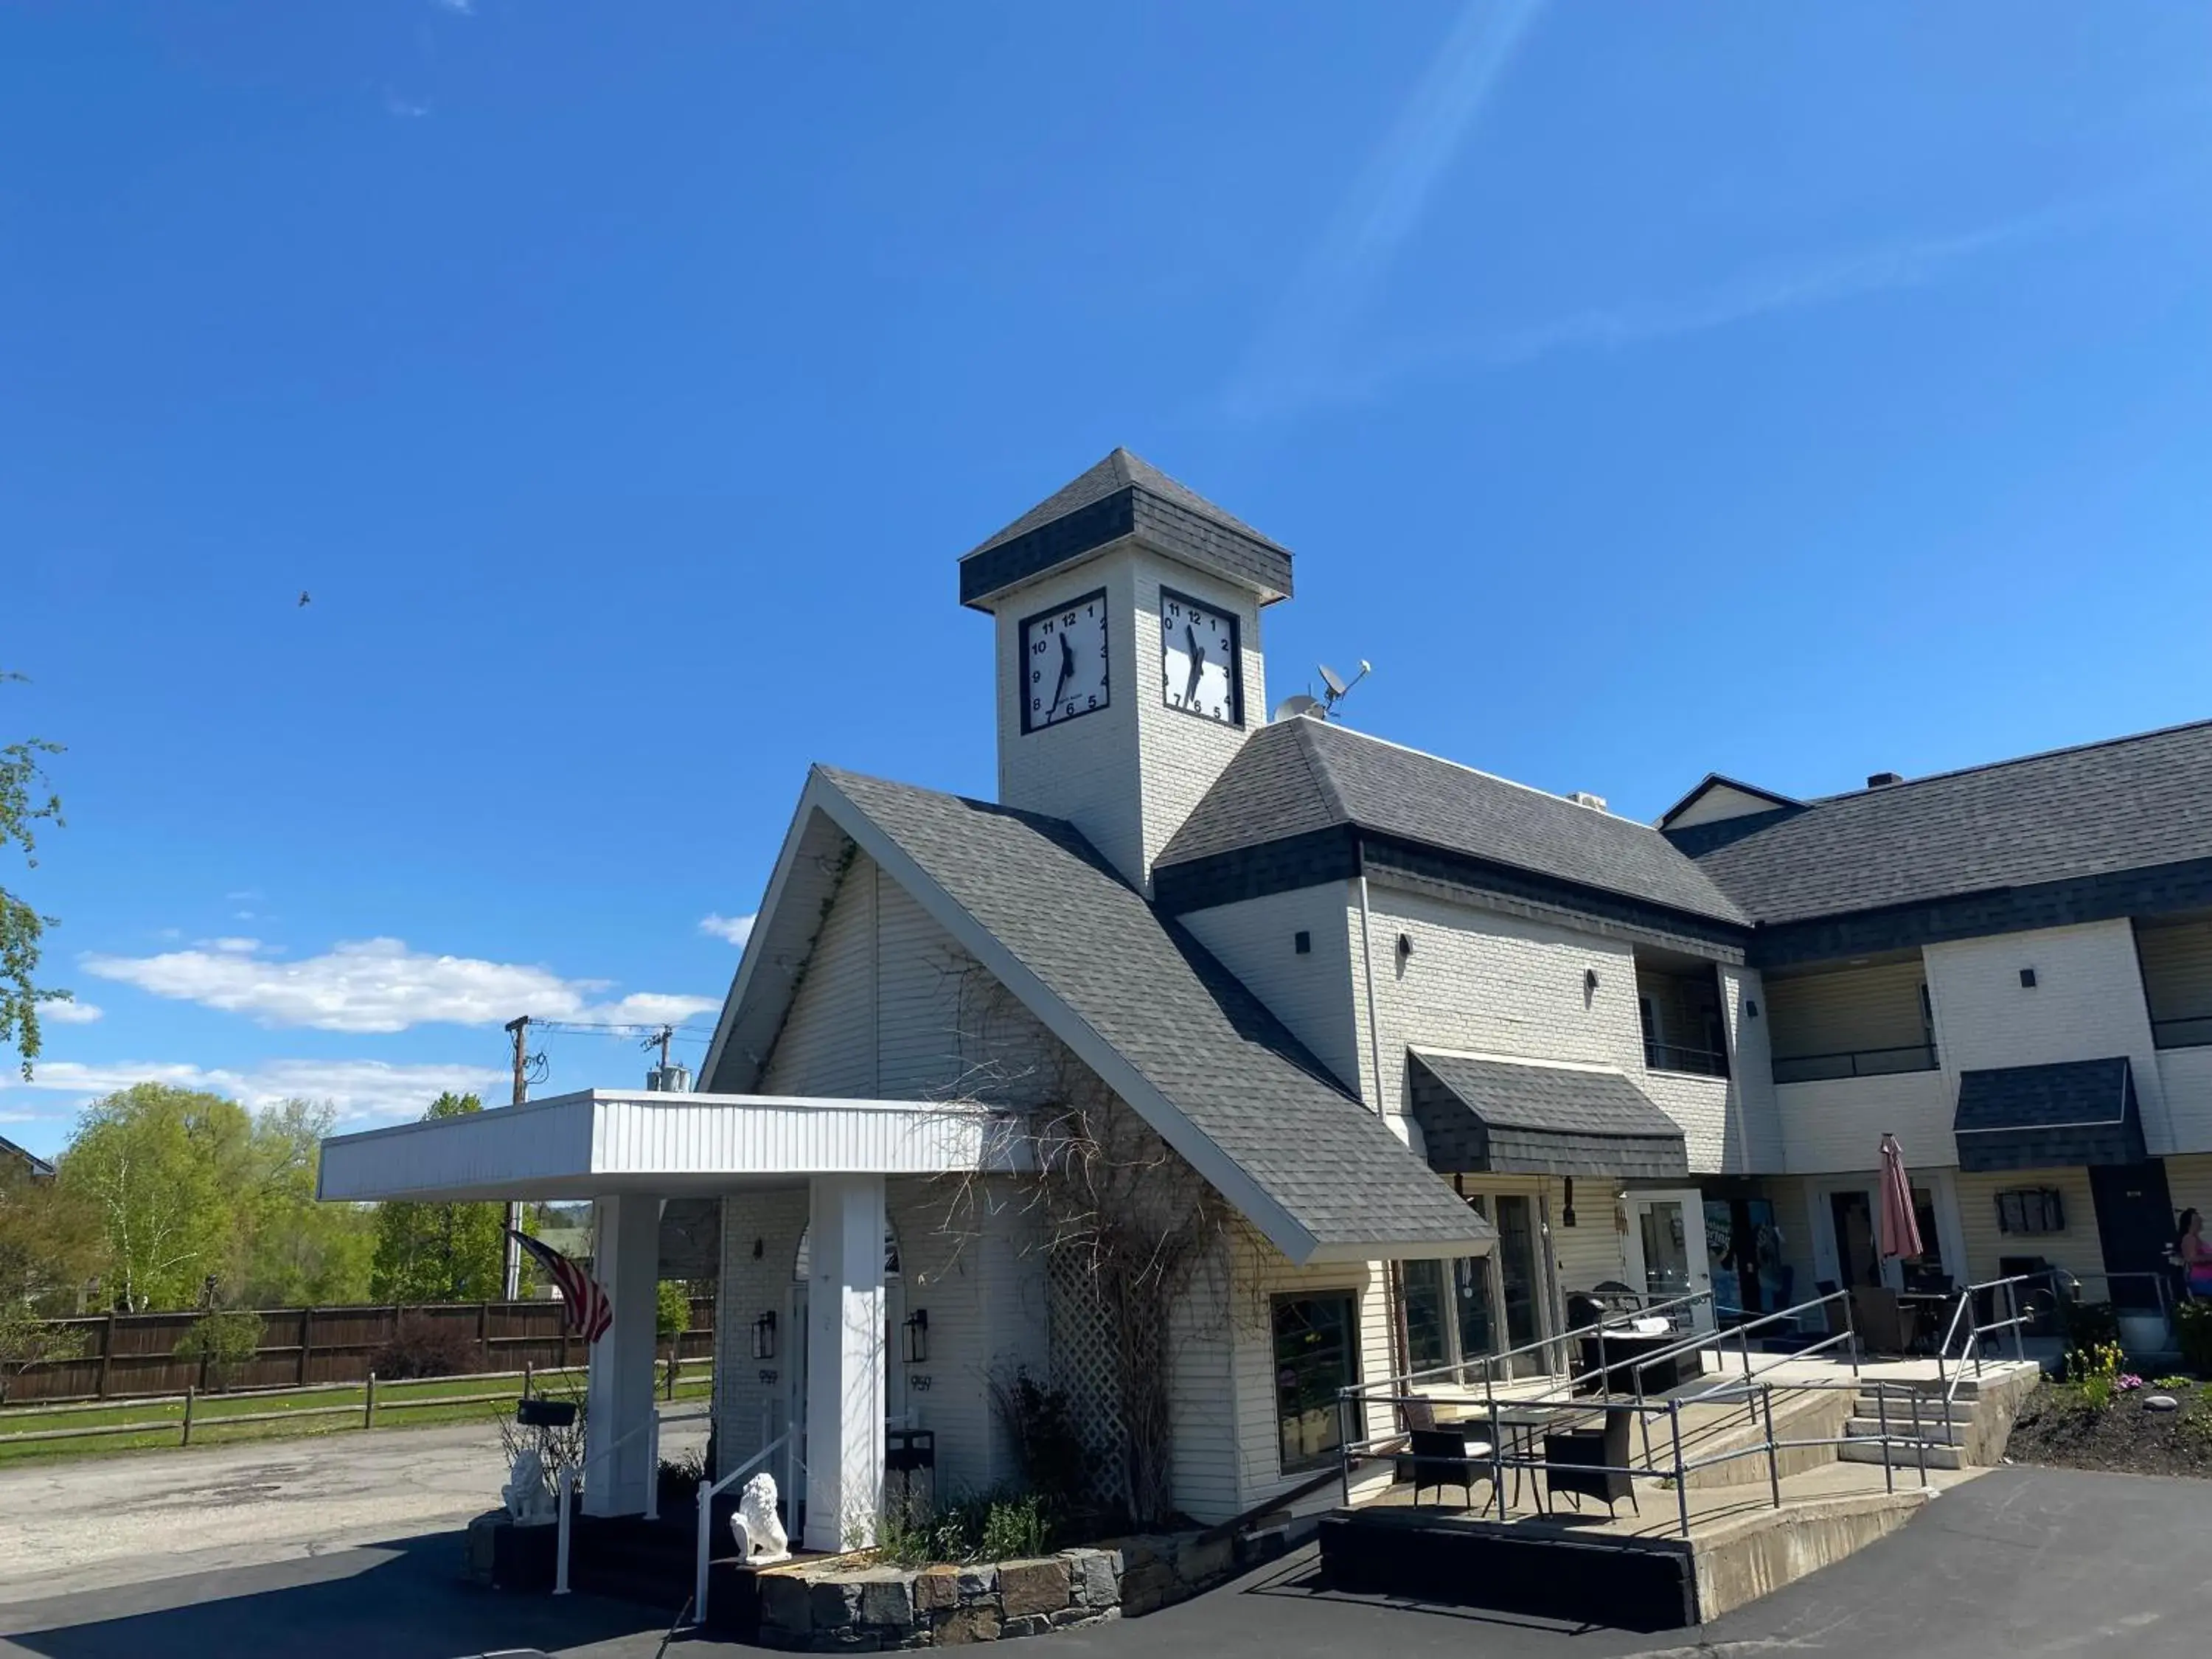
(736, 929)
(379, 985)
(73, 1012)
(406, 108)
(365, 1092)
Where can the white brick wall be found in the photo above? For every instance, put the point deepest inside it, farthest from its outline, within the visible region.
(1835, 1126)
(1317, 994)
(2087, 1002)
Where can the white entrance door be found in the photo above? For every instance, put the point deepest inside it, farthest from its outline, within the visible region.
(1666, 1249)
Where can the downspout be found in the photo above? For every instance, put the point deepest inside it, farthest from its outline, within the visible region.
(1367, 964)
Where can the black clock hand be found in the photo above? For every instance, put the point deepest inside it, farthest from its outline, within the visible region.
(1197, 662)
(1067, 668)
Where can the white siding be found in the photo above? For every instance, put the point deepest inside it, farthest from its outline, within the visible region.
(2077, 1248)
(2087, 1003)
(1315, 995)
(2177, 968)
(1202, 1398)
(1836, 1125)
(891, 1008)
(2184, 1076)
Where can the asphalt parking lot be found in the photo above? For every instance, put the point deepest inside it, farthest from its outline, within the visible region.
(2022, 1562)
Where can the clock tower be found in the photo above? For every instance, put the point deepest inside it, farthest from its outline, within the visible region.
(1127, 662)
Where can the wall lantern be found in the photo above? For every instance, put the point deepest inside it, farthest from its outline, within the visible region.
(914, 1337)
(1750, 1009)
(765, 1337)
(1589, 981)
(1405, 946)
(1567, 1209)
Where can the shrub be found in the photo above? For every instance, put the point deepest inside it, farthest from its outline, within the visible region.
(27, 1341)
(982, 1526)
(2192, 1324)
(223, 1342)
(2095, 1370)
(2087, 1325)
(1041, 1426)
(423, 1346)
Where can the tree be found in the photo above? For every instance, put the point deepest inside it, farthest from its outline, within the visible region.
(441, 1252)
(25, 803)
(49, 1243)
(298, 1251)
(166, 1173)
(223, 1341)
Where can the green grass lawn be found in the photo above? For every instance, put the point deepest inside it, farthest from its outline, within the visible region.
(209, 1411)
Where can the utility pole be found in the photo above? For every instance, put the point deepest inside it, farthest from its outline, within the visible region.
(666, 1033)
(520, 1030)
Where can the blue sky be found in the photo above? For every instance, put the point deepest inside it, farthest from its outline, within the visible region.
(1795, 391)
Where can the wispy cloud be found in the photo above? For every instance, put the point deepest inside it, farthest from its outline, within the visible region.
(380, 985)
(735, 929)
(364, 1091)
(1768, 290)
(406, 109)
(76, 1012)
(464, 7)
(1383, 207)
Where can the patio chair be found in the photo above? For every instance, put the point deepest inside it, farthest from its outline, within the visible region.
(1884, 1324)
(1605, 1452)
(1419, 1413)
(1442, 1457)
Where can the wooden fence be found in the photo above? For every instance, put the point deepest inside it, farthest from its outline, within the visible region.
(130, 1354)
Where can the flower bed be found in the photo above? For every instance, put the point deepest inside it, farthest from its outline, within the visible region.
(850, 1604)
(2071, 1426)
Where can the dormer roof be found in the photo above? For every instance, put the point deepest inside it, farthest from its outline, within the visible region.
(1124, 495)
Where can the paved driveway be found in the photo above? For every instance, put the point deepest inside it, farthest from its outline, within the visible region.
(90, 1523)
(2022, 1562)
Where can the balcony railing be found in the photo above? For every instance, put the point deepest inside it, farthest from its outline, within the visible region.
(1856, 1063)
(1674, 1057)
(2194, 1032)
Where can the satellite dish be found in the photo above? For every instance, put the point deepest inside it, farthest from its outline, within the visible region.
(1336, 687)
(1290, 708)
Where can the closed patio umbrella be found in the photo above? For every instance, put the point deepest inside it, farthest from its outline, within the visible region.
(1900, 1227)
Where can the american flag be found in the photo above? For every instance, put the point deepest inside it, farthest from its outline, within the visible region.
(589, 1309)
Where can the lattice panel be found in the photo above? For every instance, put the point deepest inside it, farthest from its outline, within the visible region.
(1083, 1368)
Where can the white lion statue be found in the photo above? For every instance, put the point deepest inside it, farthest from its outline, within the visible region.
(528, 1494)
(760, 1535)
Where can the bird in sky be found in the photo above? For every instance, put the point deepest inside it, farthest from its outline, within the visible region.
(303, 596)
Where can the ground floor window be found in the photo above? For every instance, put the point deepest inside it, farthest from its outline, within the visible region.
(1478, 1326)
(1517, 1261)
(1428, 1327)
(1316, 1355)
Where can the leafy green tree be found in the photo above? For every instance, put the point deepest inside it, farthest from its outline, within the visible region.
(26, 1341)
(296, 1251)
(25, 803)
(49, 1243)
(223, 1342)
(439, 1252)
(168, 1175)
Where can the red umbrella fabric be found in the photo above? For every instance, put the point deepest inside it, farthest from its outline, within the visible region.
(1901, 1225)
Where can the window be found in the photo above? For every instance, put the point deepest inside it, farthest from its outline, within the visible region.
(1516, 1258)
(1478, 1326)
(1428, 1339)
(1316, 1355)
(2031, 1210)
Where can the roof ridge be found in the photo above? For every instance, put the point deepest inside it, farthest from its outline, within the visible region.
(2012, 760)
(1316, 773)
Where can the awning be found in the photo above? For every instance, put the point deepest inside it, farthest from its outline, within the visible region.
(1479, 1114)
(2040, 1117)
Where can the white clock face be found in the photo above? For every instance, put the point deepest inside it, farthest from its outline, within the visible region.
(1064, 664)
(1198, 667)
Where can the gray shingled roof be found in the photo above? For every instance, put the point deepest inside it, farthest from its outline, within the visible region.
(2037, 1117)
(1117, 471)
(10, 1153)
(2129, 804)
(1123, 496)
(1304, 774)
(1187, 1026)
(1509, 1119)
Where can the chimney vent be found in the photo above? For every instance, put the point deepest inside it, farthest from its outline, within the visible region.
(1584, 797)
(1882, 780)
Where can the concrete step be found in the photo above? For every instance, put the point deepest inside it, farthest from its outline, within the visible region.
(1903, 1457)
(1931, 1428)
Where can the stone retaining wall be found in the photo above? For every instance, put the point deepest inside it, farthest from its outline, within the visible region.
(844, 1605)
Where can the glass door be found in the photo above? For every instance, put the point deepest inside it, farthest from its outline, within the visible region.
(1666, 1249)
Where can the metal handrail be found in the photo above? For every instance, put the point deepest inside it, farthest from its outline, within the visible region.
(1677, 1466)
(1924, 1052)
(572, 1481)
(707, 1493)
